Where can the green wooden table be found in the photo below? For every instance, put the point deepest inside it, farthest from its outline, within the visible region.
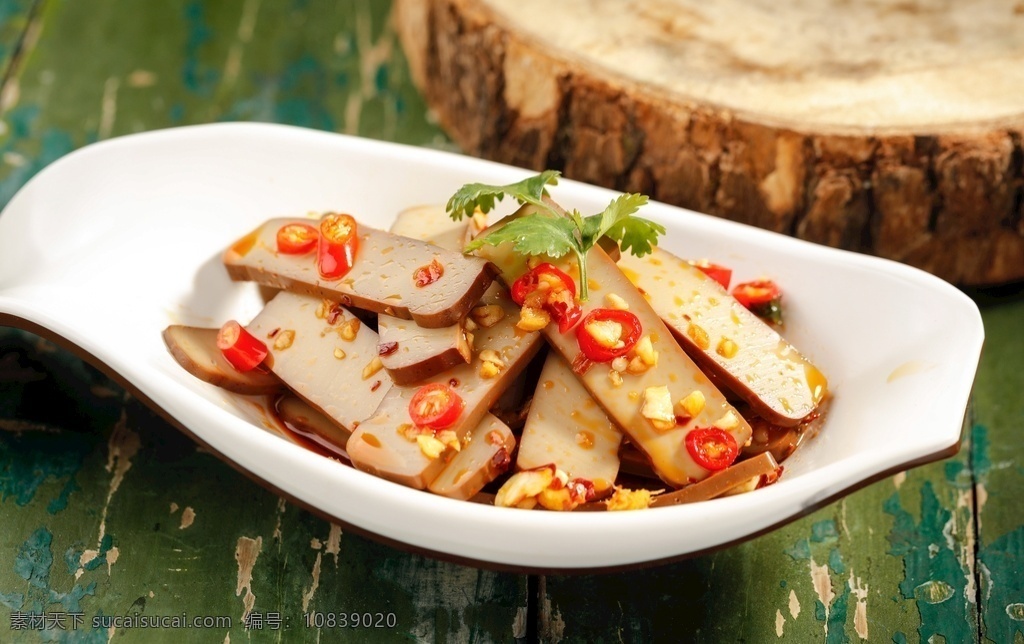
(105, 510)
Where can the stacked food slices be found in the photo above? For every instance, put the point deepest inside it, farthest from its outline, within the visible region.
(642, 384)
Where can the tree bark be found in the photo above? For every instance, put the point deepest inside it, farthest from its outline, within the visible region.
(946, 198)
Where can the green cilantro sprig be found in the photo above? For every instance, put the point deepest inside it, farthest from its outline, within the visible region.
(547, 231)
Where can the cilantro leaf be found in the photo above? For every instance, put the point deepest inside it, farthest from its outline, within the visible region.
(635, 234)
(479, 195)
(620, 209)
(551, 231)
(535, 234)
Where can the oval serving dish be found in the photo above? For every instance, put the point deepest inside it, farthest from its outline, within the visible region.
(109, 245)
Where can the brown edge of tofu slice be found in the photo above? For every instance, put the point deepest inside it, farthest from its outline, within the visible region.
(727, 340)
(195, 349)
(330, 366)
(410, 352)
(310, 422)
(379, 445)
(381, 279)
(567, 427)
(484, 458)
(733, 479)
(675, 370)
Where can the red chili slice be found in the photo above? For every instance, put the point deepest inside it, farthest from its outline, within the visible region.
(337, 247)
(597, 352)
(296, 239)
(717, 272)
(427, 275)
(241, 348)
(435, 406)
(756, 293)
(712, 448)
(561, 311)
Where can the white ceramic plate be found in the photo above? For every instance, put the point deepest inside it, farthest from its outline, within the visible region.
(109, 245)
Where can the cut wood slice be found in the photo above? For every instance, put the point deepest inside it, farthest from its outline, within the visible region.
(891, 128)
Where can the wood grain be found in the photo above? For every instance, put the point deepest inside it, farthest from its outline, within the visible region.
(943, 196)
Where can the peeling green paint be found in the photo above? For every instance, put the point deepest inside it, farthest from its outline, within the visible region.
(799, 551)
(29, 460)
(34, 559)
(934, 592)
(824, 531)
(928, 560)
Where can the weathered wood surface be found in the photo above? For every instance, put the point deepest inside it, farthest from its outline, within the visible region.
(580, 95)
(106, 509)
(102, 504)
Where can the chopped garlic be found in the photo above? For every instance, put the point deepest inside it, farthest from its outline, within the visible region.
(430, 446)
(619, 364)
(615, 377)
(693, 404)
(372, 367)
(625, 499)
(489, 369)
(606, 333)
(487, 315)
(450, 438)
(524, 485)
(349, 329)
(531, 319)
(636, 366)
(614, 301)
(339, 354)
(645, 350)
(284, 339)
(728, 421)
(490, 355)
(658, 407)
(559, 500)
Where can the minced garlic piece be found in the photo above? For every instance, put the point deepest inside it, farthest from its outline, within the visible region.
(606, 333)
(559, 500)
(372, 367)
(625, 499)
(523, 486)
(619, 364)
(645, 350)
(490, 355)
(614, 301)
(615, 377)
(450, 438)
(637, 366)
(531, 319)
(324, 308)
(470, 325)
(339, 354)
(727, 421)
(349, 329)
(487, 315)
(284, 339)
(489, 369)
(658, 408)
(430, 446)
(692, 405)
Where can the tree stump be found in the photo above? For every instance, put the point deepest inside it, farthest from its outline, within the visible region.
(888, 127)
